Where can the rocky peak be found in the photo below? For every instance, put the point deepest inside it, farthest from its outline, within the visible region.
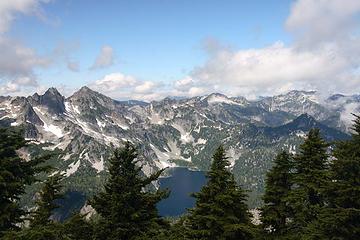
(87, 93)
(305, 120)
(90, 100)
(52, 92)
(304, 123)
(52, 100)
(84, 90)
(30, 116)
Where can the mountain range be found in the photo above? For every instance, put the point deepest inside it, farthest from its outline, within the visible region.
(81, 131)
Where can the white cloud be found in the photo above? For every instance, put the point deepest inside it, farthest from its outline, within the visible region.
(9, 9)
(120, 86)
(273, 68)
(314, 22)
(9, 88)
(17, 66)
(184, 84)
(196, 91)
(346, 115)
(324, 56)
(114, 82)
(105, 58)
(188, 87)
(145, 87)
(17, 60)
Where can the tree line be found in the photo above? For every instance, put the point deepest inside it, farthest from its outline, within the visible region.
(313, 194)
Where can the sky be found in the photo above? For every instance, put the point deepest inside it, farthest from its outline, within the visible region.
(151, 49)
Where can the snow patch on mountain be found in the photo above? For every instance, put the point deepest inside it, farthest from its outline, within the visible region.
(233, 156)
(48, 126)
(72, 168)
(98, 165)
(70, 109)
(11, 111)
(201, 141)
(67, 156)
(100, 123)
(185, 136)
(162, 157)
(301, 134)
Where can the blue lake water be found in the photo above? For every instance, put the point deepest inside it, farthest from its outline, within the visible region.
(182, 182)
(69, 204)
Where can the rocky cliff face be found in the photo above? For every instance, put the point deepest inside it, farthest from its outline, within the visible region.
(82, 129)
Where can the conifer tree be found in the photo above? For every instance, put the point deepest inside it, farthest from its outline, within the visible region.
(220, 210)
(45, 204)
(49, 232)
(77, 227)
(310, 179)
(127, 211)
(42, 228)
(276, 209)
(15, 174)
(340, 219)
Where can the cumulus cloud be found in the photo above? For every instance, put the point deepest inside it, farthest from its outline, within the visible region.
(347, 112)
(114, 82)
(120, 86)
(21, 87)
(145, 87)
(18, 62)
(184, 84)
(314, 22)
(17, 66)
(273, 68)
(9, 9)
(105, 58)
(324, 56)
(188, 87)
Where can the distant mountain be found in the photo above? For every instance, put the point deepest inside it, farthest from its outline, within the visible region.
(83, 129)
(302, 124)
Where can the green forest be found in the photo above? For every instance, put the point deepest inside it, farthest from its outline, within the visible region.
(313, 194)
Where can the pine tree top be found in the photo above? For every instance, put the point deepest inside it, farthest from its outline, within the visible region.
(126, 208)
(356, 126)
(220, 210)
(15, 174)
(313, 153)
(50, 192)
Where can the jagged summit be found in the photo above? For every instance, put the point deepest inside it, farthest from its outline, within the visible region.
(52, 91)
(303, 123)
(51, 99)
(83, 91)
(86, 92)
(92, 103)
(306, 120)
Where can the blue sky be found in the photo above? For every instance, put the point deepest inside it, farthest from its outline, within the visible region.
(148, 49)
